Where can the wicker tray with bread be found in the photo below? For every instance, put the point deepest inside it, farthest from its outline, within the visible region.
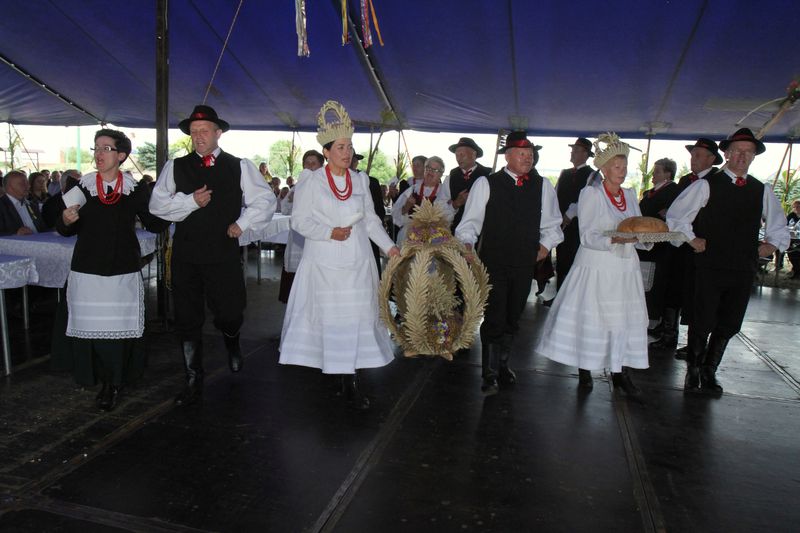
(646, 229)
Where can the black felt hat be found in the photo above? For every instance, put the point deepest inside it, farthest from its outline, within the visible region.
(709, 145)
(203, 112)
(466, 141)
(743, 134)
(585, 143)
(517, 139)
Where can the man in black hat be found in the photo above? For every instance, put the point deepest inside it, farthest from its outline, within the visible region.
(568, 188)
(722, 216)
(203, 194)
(679, 294)
(515, 213)
(455, 189)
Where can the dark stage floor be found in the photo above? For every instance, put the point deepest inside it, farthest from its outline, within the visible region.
(274, 449)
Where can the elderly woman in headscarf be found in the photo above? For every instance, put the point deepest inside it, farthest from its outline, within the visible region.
(331, 319)
(599, 317)
(105, 293)
(411, 198)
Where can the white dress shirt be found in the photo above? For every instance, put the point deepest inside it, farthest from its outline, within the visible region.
(258, 198)
(684, 209)
(469, 228)
(22, 207)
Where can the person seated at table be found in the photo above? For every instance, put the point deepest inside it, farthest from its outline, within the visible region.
(38, 191)
(17, 215)
(105, 293)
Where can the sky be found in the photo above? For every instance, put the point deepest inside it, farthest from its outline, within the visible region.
(554, 156)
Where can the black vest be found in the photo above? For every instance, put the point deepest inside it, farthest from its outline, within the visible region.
(458, 184)
(730, 222)
(686, 180)
(510, 233)
(569, 185)
(653, 202)
(202, 236)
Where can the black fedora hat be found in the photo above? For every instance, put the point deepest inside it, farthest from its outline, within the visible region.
(743, 134)
(517, 139)
(203, 112)
(709, 145)
(358, 157)
(585, 143)
(469, 143)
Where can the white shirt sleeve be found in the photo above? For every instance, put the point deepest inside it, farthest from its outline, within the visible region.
(775, 231)
(168, 204)
(684, 209)
(259, 201)
(398, 217)
(471, 223)
(550, 234)
(444, 200)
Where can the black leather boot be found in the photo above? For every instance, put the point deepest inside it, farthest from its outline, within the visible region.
(669, 332)
(708, 370)
(193, 363)
(235, 362)
(695, 352)
(489, 363)
(353, 395)
(506, 375)
(623, 381)
(101, 394)
(585, 379)
(109, 398)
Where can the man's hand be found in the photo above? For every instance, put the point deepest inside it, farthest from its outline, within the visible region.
(234, 231)
(542, 253)
(202, 196)
(69, 216)
(24, 230)
(394, 251)
(698, 244)
(766, 249)
(565, 220)
(461, 199)
(341, 234)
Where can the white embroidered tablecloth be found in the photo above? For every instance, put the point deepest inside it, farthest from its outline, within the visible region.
(276, 230)
(16, 271)
(52, 253)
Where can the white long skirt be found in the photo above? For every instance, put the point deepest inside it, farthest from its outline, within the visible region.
(332, 320)
(599, 318)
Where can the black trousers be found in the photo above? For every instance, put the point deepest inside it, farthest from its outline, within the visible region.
(220, 285)
(510, 289)
(566, 251)
(720, 301)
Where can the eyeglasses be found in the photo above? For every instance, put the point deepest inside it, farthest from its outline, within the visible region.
(104, 149)
(434, 170)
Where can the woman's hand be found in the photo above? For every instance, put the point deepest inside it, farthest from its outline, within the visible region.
(409, 205)
(624, 240)
(70, 214)
(394, 251)
(341, 234)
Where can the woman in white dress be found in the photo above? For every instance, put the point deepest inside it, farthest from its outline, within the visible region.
(412, 197)
(599, 318)
(332, 320)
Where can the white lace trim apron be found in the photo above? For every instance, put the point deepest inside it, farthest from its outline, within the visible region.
(105, 307)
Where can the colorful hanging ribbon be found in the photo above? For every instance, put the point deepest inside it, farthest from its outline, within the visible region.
(300, 25)
(366, 8)
(345, 37)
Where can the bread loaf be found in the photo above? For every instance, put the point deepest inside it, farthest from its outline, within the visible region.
(642, 225)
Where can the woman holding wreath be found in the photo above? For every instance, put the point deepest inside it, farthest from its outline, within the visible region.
(599, 317)
(105, 292)
(412, 197)
(331, 320)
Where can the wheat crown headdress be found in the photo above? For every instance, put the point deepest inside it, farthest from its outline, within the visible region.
(340, 128)
(614, 147)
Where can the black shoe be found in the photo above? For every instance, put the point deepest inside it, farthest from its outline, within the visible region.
(101, 394)
(692, 381)
(507, 376)
(548, 303)
(623, 381)
(353, 395)
(193, 364)
(585, 381)
(708, 381)
(490, 362)
(235, 362)
(490, 386)
(109, 399)
(681, 353)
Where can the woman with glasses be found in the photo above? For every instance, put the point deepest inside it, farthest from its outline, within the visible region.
(407, 202)
(105, 293)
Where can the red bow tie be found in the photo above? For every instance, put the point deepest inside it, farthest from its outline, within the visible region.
(467, 174)
(740, 181)
(522, 178)
(209, 160)
(693, 177)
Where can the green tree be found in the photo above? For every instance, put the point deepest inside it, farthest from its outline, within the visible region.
(283, 161)
(786, 195)
(382, 168)
(146, 153)
(71, 159)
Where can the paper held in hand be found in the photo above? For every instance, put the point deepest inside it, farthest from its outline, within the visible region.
(74, 197)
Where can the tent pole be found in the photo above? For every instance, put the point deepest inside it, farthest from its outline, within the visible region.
(162, 142)
(647, 157)
(780, 167)
(496, 148)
